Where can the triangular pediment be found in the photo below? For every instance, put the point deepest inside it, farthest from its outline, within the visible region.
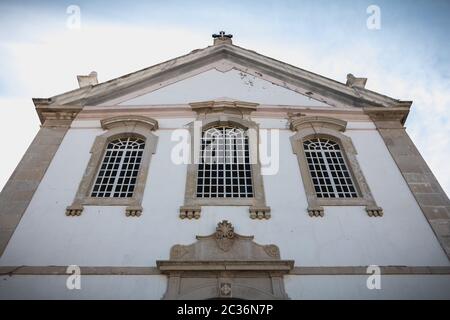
(221, 71)
(213, 84)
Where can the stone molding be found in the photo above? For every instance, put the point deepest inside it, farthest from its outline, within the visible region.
(212, 114)
(301, 122)
(296, 270)
(225, 259)
(120, 126)
(430, 196)
(234, 108)
(129, 121)
(52, 114)
(394, 117)
(320, 126)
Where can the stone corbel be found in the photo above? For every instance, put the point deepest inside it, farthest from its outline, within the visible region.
(190, 212)
(133, 211)
(374, 211)
(259, 212)
(74, 210)
(316, 211)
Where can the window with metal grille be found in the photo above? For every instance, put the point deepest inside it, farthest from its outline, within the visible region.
(224, 170)
(118, 172)
(329, 172)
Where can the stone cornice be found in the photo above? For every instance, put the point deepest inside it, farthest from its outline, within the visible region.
(283, 266)
(129, 120)
(56, 113)
(394, 114)
(301, 122)
(226, 107)
(153, 270)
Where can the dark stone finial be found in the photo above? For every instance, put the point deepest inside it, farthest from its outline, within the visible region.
(222, 35)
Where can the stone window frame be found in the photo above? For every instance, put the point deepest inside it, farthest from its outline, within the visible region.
(307, 127)
(225, 113)
(117, 127)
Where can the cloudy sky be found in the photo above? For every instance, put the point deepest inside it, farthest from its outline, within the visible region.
(408, 57)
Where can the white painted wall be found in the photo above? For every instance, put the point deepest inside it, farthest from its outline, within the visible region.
(213, 84)
(104, 236)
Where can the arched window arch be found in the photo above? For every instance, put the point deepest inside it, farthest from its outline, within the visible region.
(224, 170)
(118, 172)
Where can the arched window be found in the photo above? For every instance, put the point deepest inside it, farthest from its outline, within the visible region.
(117, 170)
(329, 165)
(224, 170)
(116, 177)
(330, 175)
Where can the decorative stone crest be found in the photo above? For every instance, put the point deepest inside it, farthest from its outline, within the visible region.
(225, 235)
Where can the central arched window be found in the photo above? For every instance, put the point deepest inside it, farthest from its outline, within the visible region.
(224, 170)
(330, 175)
(118, 172)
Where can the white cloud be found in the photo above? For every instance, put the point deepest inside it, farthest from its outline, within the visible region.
(18, 126)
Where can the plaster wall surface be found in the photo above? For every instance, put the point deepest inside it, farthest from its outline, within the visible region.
(104, 236)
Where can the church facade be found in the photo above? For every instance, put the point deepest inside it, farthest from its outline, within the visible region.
(223, 173)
